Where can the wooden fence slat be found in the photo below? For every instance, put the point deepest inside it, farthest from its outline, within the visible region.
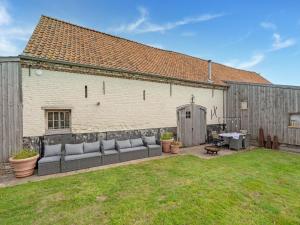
(11, 108)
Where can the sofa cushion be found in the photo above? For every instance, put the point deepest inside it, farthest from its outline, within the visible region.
(74, 149)
(150, 140)
(136, 142)
(52, 150)
(49, 159)
(108, 144)
(110, 152)
(133, 149)
(139, 148)
(154, 146)
(91, 147)
(124, 144)
(82, 156)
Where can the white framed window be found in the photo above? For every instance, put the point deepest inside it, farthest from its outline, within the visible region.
(58, 121)
(188, 114)
(295, 120)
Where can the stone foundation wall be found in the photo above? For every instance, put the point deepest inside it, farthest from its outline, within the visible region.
(39, 142)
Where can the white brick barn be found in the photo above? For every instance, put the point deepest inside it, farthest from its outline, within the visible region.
(84, 84)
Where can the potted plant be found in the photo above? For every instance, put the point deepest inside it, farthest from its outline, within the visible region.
(175, 145)
(23, 163)
(166, 139)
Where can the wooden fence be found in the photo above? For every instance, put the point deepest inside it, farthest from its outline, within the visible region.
(266, 106)
(11, 123)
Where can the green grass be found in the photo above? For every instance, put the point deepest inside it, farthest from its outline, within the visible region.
(256, 187)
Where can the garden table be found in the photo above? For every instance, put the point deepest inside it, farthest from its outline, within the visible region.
(234, 135)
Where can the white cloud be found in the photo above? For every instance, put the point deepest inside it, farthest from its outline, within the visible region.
(156, 45)
(131, 27)
(17, 33)
(4, 16)
(253, 61)
(7, 48)
(248, 64)
(11, 36)
(268, 25)
(279, 43)
(142, 24)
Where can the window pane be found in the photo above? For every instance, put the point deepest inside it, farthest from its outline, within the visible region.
(50, 115)
(295, 120)
(62, 116)
(50, 124)
(67, 120)
(56, 125)
(62, 124)
(55, 115)
(188, 115)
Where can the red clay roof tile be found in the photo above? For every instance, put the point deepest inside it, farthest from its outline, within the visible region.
(53, 39)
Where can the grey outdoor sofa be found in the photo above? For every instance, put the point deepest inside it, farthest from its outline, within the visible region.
(154, 147)
(109, 153)
(86, 155)
(51, 160)
(81, 156)
(132, 149)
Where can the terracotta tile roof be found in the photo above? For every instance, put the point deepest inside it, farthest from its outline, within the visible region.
(53, 39)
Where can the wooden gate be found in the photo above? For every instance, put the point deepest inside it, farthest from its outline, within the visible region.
(10, 108)
(191, 124)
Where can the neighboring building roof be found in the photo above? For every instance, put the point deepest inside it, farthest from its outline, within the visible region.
(54, 39)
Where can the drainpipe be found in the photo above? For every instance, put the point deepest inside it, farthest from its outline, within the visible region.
(209, 80)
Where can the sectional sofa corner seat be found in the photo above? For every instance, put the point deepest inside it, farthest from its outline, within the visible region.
(81, 156)
(51, 161)
(154, 147)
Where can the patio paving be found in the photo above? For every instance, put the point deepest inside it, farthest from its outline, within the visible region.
(199, 151)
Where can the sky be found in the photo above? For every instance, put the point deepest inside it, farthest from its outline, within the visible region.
(261, 36)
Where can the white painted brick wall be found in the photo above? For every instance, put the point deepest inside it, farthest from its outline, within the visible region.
(122, 107)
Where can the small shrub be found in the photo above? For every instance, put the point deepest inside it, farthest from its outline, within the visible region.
(166, 136)
(177, 143)
(25, 153)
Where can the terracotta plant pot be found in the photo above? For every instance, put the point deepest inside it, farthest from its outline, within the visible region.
(23, 167)
(175, 149)
(166, 146)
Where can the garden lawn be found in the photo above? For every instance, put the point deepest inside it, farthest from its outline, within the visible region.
(254, 187)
